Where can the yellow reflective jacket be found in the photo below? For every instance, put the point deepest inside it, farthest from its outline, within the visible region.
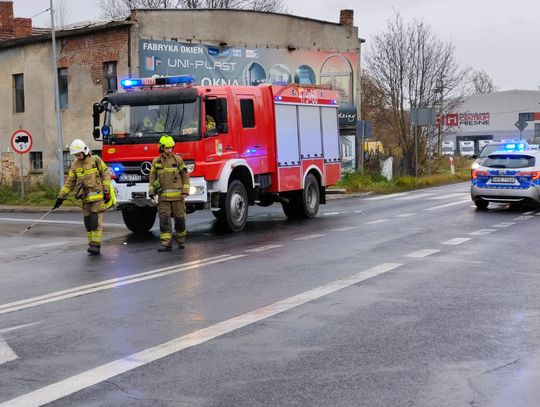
(89, 178)
(172, 176)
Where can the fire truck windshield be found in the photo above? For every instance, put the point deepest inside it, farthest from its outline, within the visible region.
(145, 124)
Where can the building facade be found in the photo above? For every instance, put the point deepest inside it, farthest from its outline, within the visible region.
(215, 45)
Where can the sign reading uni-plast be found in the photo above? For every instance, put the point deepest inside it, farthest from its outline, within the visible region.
(21, 141)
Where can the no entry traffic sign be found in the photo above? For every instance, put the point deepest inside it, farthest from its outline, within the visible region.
(21, 141)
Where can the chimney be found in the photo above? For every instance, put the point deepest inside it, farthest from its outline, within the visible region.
(23, 27)
(7, 24)
(346, 17)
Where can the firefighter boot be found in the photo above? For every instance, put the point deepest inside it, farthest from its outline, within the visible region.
(93, 249)
(181, 245)
(164, 248)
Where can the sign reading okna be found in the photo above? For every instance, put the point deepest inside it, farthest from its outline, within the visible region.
(214, 65)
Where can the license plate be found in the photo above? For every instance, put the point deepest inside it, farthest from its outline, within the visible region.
(503, 180)
(130, 177)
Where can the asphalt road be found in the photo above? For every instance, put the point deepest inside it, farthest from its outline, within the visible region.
(411, 299)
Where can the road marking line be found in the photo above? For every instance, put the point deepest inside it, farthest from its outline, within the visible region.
(482, 232)
(104, 372)
(523, 217)
(422, 253)
(345, 229)
(405, 215)
(374, 222)
(112, 283)
(14, 328)
(333, 213)
(310, 237)
(66, 222)
(28, 249)
(263, 248)
(363, 212)
(376, 198)
(504, 224)
(528, 213)
(433, 208)
(447, 196)
(6, 353)
(416, 196)
(457, 240)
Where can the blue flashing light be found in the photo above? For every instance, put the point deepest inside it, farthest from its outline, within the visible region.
(117, 168)
(130, 83)
(278, 98)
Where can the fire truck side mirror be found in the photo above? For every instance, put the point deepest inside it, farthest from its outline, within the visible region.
(96, 110)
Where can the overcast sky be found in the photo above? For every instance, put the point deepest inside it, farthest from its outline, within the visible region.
(499, 37)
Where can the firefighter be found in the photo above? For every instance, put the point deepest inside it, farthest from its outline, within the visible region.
(91, 180)
(169, 186)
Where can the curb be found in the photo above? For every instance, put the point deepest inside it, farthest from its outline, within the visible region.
(36, 209)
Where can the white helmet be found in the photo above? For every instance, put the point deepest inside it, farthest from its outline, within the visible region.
(78, 146)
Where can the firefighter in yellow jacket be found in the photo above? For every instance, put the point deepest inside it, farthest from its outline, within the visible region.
(169, 185)
(91, 180)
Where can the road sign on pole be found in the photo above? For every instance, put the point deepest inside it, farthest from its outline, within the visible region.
(21, 141)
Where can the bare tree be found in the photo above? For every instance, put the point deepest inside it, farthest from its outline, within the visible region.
(117, 9)
(481, 83)
(412, 68)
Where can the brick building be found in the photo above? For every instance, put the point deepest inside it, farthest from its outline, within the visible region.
(239, 47)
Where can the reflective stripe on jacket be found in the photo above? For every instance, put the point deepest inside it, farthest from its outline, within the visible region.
(173, 177)
(89, 178)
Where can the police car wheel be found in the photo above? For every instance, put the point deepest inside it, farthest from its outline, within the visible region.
(481, 204)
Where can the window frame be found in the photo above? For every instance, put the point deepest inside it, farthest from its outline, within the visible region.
(18, 93)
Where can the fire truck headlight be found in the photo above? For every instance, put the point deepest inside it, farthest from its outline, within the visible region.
(198, 190)
(190, 165)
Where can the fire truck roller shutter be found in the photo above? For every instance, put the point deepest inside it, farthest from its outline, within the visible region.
(150, 97)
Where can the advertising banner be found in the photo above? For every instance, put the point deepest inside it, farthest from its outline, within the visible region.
(215, 65)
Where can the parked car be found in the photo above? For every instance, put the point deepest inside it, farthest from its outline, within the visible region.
(511, 176)
(507, 145)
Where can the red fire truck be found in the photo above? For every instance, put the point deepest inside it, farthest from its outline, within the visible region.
(270, 143)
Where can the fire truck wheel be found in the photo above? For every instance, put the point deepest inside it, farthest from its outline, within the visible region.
(310, 198)
(234, 207)
(139, 219)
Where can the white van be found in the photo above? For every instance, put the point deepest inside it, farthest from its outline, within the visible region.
(466, 148)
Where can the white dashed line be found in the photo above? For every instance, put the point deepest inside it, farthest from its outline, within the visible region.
(264, 248)
(104, 372)
(434, 208)
(376, 198)
(503, 224)
(333, 213)
(447, 196)
(345, 229)
(310, 237)
(422, 253)
(523, 217)
(415, 196)
(405, 215)
(457, 240)
(374, 222)
(482, 232)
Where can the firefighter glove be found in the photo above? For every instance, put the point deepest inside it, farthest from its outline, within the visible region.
(58, 203)
(107, 197)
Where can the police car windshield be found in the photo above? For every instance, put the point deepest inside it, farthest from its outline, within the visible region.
(139, 123)
(509, 161)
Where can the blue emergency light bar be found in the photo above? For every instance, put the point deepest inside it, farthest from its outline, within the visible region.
(514, 146)
(159, 81)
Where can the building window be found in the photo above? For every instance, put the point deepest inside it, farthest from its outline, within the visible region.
(36, 161)
(63, 87)
(248, 113)
(68, 160)
(111, 79)
(18, 87)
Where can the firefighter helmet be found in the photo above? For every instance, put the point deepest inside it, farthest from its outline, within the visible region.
(78, 146)
(166, 142)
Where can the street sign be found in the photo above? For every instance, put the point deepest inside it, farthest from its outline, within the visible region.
(521, 124)
(527, 117)
(21, 141)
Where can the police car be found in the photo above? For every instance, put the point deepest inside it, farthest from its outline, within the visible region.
(504, 145)
(507, 176)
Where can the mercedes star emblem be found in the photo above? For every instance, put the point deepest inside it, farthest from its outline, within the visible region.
(146, 167)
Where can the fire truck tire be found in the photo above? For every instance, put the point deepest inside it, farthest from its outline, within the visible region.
(234, 207)
(139, 219)
(304, 203)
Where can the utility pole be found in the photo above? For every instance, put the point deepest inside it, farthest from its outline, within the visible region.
(440, 88)
(59, 142)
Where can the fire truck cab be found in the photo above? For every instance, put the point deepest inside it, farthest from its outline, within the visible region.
(262, 144)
